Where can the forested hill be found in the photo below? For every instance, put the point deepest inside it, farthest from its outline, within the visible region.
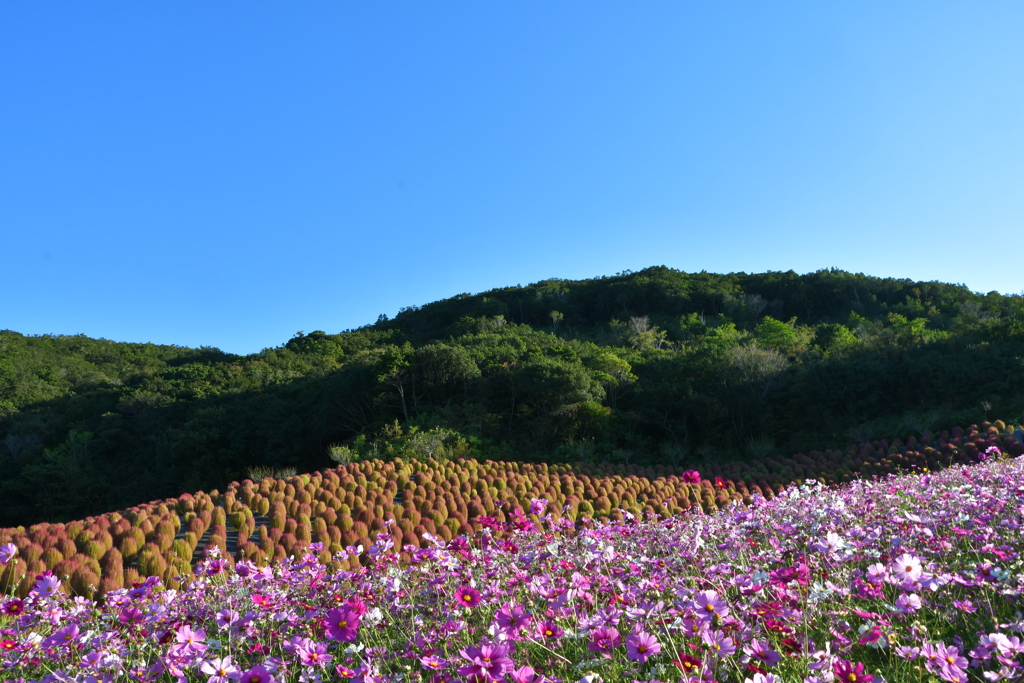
(653, 366)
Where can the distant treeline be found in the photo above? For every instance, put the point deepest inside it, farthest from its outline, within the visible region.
(653, 367)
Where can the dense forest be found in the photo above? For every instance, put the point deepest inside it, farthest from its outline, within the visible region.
(649, 367)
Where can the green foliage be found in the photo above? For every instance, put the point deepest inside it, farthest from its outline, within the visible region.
(652, 367)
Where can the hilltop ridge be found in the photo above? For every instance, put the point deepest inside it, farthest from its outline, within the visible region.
(653, 367)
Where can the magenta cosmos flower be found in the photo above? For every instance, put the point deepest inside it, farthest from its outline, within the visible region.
(549, 629)
(342, 624)
(490, 662)
(467, 596)
(257, 674)
(604, 639)
(510, 618)
(848, 672)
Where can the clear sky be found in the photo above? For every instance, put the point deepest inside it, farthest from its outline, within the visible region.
(226, 173)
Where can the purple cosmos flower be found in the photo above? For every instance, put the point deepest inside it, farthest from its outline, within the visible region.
(908, 652)
(695, 627)
(467, 596)
(708, 605)
(487, 661)
(641, 646)
(7, 551)
(538, 505)
(761, 652)
(604, 639)
(226, 617)
(932, 655)
(510, 619)
(63, 636)
(908, 603)
(718, 643)
(221, 670)
(131, 615)
(342, 624)
(46, 585)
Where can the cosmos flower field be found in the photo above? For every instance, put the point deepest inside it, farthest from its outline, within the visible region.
(899, 578)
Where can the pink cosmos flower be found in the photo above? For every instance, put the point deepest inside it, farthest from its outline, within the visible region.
(641, 646)
(691, 477)
(221, 670)
(695, 627)
(1008, 646)
(908, 652)
(526, 674)
(965, 605)
(932, 656)
(953, 665)
(906, 568)
(263, 601)
(13, 607)
(191, 638)
(763, 678)
(876, 574)
(313, 654)
(690, 665)
(433, 662)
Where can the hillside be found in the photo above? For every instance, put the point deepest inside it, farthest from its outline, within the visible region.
(411, 504)
(657, 367)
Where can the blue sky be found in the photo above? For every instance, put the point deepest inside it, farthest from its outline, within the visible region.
(225, 174)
